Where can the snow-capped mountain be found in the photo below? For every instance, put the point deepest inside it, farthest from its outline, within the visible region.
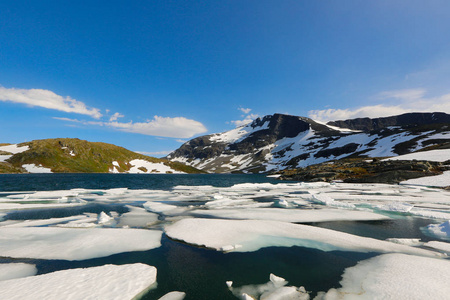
(277, 142)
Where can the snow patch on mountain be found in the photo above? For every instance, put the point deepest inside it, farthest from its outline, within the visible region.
(278, 142)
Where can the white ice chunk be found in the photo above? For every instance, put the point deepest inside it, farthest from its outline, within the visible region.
(165, 209)
(285, 293)
(74, 244)
(104, 218)
(439, 246)
(105, 282)
(137, 217)
(229, 283)
(275, 289)
(396, 207)
(47, 222)
(19, 206)
(327, 200)
(394, 276)
(276, 280)
(252, 235)
(173, 296)
(16, 270)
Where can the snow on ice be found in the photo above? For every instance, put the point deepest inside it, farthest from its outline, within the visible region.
(394, 276)
(16, 270)
(251, 235)
(74, 243)
(105, 282)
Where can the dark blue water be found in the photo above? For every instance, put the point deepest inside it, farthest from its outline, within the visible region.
(50, 182)
(202, 273)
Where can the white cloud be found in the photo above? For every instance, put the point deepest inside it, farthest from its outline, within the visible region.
(411, 100)
(47, 99)
(178, 127)
(248, 119)
(245, 110)
(115, 116)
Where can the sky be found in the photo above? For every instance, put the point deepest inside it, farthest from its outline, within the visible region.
(150, 75)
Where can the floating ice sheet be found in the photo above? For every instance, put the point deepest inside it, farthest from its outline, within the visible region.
(74, 243)
(290, 215)
(137, 217)
(394, 276)
(274, 289)
(105, 282)
(251, 235)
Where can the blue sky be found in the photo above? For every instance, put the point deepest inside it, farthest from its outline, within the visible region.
(148, 75)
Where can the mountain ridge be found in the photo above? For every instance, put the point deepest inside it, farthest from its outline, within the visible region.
(277, 142)
(72, 155)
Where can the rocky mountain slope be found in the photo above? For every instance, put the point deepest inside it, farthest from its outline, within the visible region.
(79, 156)
(278, 142)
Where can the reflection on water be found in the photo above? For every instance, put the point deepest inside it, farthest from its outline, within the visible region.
(202, 273)
(51, 182)
(408, 227)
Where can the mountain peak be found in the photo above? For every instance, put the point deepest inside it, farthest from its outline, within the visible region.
(280, 141)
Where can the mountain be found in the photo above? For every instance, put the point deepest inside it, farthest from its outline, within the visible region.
(78, 156)
(278, 142)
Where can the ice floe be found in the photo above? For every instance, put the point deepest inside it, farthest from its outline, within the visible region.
(73, 243)
(16, 270)
(290, 215)
(274, 289)
(251, 235)
(442, 246)
(394, 276)
(137, 217)
(104, 282)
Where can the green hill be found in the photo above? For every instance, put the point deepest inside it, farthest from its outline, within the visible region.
(66, 155)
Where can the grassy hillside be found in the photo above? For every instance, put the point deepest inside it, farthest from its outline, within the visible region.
(78, 156)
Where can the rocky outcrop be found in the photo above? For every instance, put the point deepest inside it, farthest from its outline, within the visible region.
(404, 120)
(365, 171)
